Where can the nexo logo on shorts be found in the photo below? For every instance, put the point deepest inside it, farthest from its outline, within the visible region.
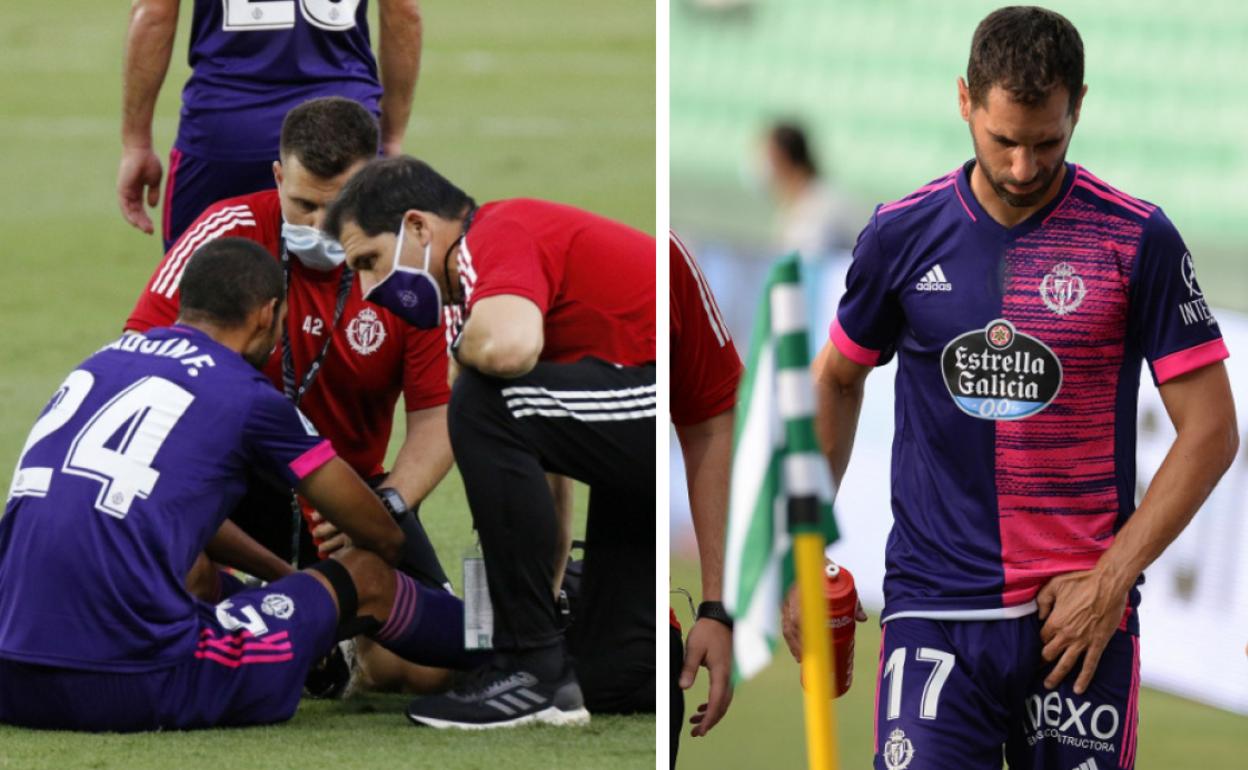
(998, 373)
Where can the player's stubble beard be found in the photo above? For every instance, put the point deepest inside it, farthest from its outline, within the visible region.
(1026, 200)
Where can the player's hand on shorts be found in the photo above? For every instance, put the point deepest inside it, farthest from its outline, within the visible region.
(791, 622)
(330, 538)
(709, 645)
(1080, 611)
(140, 170)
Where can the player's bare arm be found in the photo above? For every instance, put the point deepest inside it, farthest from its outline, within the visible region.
(343, 498)
(398, 62)
(1082, 609)
(233, 547)
(838, 402)
(149, 44)
(423, 461)
(503, 337)
(707, 449)
(425, 456)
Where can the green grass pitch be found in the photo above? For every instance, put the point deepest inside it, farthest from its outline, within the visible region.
(764, 728)
(546, 98)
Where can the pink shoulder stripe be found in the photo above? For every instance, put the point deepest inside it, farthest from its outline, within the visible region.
(1109, 188)
(850, 349)
(1168, 367)
(901, 204)
(1083, 184)
(312, 459)
(962, 200)
(922, 192)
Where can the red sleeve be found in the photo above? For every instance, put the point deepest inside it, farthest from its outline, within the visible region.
(424, 368)
(158, 304)
(505, 260)
(705, 367)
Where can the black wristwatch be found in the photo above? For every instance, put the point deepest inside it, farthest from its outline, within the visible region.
(715, 611)
(392, 500)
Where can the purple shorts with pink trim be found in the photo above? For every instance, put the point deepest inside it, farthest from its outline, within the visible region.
(963, 694)
(248, 667)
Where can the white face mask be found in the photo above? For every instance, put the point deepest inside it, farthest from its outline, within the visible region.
(313, 248)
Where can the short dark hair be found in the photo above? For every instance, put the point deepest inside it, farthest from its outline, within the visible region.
(227, 279)
(1028, 51)
(790, 138)
(329, 135)
(376, 197)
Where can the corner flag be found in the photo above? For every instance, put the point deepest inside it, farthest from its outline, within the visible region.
(780, 503)
(777, 469)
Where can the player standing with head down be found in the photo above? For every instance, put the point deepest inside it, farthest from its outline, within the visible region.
(128, 475)
(251, 63)
(1020, 294)
(556, 351)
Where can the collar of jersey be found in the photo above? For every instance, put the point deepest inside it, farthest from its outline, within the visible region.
(982, 218)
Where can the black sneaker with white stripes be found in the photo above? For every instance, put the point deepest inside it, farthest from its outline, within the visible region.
(497, 698)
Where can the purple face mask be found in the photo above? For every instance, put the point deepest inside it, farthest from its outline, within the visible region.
(409, 293)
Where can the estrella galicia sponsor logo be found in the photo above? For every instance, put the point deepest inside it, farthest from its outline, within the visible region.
(1195, 309)
(1000, 373)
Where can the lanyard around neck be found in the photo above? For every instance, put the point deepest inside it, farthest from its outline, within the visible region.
(295, 392)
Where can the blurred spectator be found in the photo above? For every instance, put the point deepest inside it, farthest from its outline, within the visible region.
(814, 218)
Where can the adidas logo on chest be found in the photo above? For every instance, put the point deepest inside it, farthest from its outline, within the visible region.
(934, 280)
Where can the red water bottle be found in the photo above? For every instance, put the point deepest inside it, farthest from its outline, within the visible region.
(842, 597)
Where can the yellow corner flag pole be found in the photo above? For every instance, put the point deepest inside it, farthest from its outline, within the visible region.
(816, 652)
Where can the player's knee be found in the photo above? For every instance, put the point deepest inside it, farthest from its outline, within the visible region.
(473, 397)
(373, 579)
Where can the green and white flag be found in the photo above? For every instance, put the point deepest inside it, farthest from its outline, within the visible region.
(777, 470)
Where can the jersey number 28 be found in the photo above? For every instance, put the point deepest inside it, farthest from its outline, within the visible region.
(136, 422)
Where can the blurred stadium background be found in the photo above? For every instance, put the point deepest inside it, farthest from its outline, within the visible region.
(534, 99)
(873, 85)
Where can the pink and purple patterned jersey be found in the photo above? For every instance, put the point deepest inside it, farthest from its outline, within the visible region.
(253, 61)
(1019, 353)
(127, 474)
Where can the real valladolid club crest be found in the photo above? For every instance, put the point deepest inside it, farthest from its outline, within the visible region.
(898, 751)
(279, 606)
(366, 332)
(1062, 290)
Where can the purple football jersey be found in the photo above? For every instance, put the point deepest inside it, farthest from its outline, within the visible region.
(127, 474)
(254, 60)
(1019, 353)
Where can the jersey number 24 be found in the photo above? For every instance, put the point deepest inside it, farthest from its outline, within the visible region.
(142, 414)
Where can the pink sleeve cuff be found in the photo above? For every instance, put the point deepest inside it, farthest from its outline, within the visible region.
(1184, 361)
(312, 459)
(850, 349)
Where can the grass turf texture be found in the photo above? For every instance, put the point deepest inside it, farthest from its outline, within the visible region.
(764, 727)
(545, 98)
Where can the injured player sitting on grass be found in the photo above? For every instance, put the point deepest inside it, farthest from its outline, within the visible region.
(128, 475)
